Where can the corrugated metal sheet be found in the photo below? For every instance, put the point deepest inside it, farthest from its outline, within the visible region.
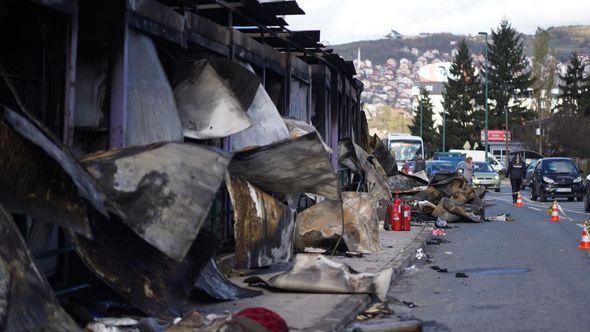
(151, 110)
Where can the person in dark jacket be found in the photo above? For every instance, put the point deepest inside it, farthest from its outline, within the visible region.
(516, 172)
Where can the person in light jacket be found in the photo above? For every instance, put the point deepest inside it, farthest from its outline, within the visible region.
(468, 170)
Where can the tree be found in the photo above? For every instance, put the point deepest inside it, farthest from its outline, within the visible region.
(429, 134)
(461, 100)
(543, 75)
(509, 77)
(571, 87)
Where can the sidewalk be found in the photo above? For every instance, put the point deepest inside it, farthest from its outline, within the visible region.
(330, 312)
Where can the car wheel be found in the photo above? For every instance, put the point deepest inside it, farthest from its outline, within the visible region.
(587, 202)
(542, 195)
(532, 193)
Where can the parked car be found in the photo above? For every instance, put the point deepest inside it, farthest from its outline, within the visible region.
(587, 196)
(529, 174)
(555, 178)
(437, 166)
(483, 175)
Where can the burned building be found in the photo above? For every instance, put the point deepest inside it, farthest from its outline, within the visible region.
(140, 137)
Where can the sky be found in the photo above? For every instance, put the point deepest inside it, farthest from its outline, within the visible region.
(344, 21)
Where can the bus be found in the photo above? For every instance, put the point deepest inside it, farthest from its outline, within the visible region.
(405, 147)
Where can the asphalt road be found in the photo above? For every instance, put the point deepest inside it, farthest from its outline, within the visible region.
(525, 275)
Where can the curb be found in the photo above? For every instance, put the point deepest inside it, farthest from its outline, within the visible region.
(348, 308)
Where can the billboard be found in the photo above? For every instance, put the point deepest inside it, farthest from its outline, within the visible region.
(495, 136)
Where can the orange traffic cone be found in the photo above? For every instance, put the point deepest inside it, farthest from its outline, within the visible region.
(585, 241)
(554, 213)
(519, 200)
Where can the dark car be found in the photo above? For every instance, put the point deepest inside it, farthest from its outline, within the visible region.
(587, 196)
(437, 166)
(555, 178)
(529, 174)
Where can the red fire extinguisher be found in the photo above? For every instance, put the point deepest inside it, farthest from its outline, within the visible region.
(406, 217)
(395, 221)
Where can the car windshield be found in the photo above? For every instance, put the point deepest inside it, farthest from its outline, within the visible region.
(441, 166)
(454, 161)
(482, 167)
(406, 150)
(559, 167)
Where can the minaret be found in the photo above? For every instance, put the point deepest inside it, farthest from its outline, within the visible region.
(358, 58)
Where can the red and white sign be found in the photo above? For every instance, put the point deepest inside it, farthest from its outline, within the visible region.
(495, 135)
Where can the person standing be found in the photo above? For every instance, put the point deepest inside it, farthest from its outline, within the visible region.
(468, 170)
(516, 172)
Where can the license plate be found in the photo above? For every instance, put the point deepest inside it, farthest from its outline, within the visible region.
(564, 190)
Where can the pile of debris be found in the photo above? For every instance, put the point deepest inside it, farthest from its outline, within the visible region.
(447, 196)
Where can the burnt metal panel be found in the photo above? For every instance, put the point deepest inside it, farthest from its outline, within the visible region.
(148, 279)
(213, 283)
(27, 302)
(40, 178)
(361, 224)
(151, 111)
(267, 125)
(164, 189)
(318, 274)
(291, 166)
(373, 174)
(208, 107)
(321, 225)
(263, 226)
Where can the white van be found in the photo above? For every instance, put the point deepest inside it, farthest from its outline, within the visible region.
(406, 147)
(478, 155)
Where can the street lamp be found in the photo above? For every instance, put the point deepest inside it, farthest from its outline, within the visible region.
(444, 146)
(420, 105)
(485, 34)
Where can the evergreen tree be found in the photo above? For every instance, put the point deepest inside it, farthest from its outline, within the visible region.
(429, 134)
(572, 87)
(509, 77)
(462, 96)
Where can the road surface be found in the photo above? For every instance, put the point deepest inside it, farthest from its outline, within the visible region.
(525, 275)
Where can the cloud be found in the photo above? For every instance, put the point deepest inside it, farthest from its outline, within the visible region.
(349, 20)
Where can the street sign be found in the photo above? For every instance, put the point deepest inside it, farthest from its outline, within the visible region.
(475, 146)
(467, 146)
(495, 135)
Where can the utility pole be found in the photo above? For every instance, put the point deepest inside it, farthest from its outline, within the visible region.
(485, 34)
(444, 145)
